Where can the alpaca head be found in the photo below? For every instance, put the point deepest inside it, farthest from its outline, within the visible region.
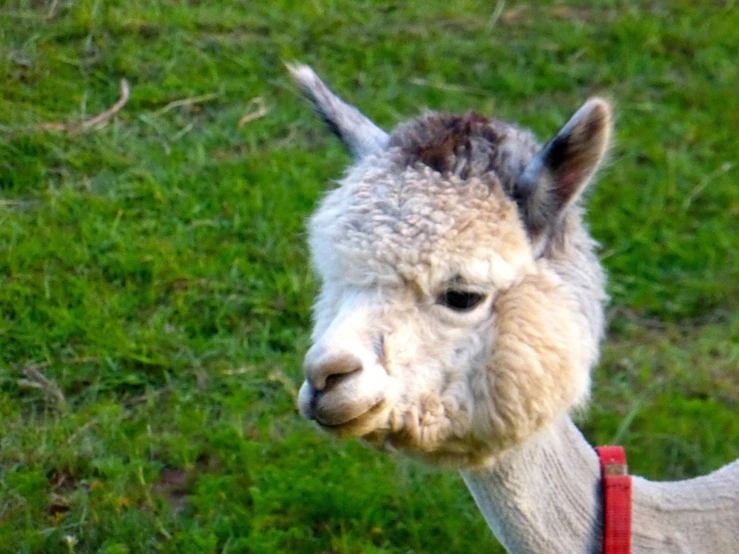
(460, 301)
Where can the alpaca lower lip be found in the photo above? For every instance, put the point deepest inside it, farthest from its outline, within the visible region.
(342, 404)
(344, 425)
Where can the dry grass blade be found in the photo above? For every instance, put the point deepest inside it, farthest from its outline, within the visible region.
(499, 7)
(99, 119)
(188, 102)
(36, 379)
(81, 429)
(258, 110)
(238, 371)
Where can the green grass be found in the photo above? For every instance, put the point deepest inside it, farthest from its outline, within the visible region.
(155, 272)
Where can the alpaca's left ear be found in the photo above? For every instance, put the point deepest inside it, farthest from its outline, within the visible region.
(559, 173)
(356, 131)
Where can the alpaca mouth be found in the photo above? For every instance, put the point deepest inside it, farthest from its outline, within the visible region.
(352, 407)
(357, 425)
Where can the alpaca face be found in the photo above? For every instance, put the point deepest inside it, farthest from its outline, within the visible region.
(411, 266)
(442, 329)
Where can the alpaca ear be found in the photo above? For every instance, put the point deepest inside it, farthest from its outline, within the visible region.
(356, 131)
(558, 174)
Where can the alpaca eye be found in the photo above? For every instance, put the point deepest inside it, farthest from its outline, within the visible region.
(460, 300)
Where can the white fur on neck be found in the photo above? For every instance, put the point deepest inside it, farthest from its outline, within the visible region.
(544, 497)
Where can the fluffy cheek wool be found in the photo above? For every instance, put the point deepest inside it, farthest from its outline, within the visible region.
(538, 368)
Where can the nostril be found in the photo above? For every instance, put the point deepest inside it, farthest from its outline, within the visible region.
(335, 379)
(330, 370)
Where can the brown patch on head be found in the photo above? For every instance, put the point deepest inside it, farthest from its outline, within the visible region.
(467, 146)
(441, 141)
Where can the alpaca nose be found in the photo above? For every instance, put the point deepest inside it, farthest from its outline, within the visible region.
(327, 369)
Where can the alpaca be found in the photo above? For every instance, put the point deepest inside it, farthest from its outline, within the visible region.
(460, 314)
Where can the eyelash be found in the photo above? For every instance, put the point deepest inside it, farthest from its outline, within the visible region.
(460, 300)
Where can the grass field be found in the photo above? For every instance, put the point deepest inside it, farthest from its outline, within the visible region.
(155, 291)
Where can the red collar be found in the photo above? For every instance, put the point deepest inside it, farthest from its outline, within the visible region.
(616, 500)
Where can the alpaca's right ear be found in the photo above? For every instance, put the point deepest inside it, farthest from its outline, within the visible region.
(555, 178)
(356, 131)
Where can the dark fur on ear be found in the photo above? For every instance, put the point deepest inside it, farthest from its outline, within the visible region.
(558, 174)
(356, 131)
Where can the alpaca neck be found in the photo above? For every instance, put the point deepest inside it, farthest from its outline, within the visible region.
(544, 496)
